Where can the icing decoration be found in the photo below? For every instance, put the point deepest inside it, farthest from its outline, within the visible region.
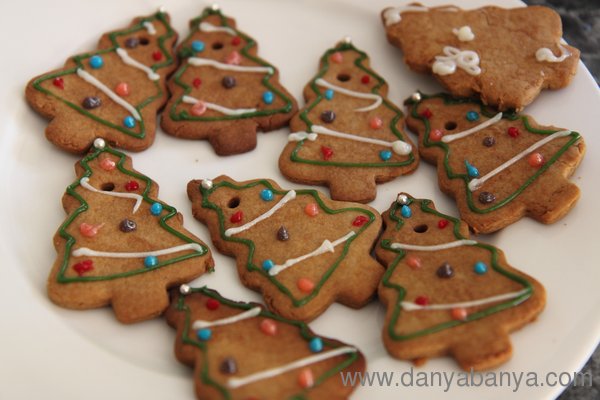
(132, 186)
(199, 108)
(327, 152)
(149, 27)
(464, 33)
(233, 58)
(435, 247)
(150, 261)
(328, 116)
(413, 261)
(365, 79)
(436, 135)
(91, 102)
(204, 334)
(305, 285)
(251, 313)
(107, 164)
(127, 59)
(489, 141)
(84, 182)
(421, 300)
(127, 226)
(385, 155)
(207, 184)
(122, 89)
(311, 209)
(408, 306)
(470, 131)
(199, 62)
(208, 27)
(325, 247)
(268, 97)
(228, 82)
(58, 82)
(472, 116)
(85, 251)
(198, 46)
(303, 362)
(545, 54)
(359, 95)
(405, 211)
(157, 55)
(212, 304)
(459, 314)
(268, 264)
(129, 121)
(360, 220)
(268, 327)
(282, 234)
(442, 223)
(486, 197)
(329, 94)
(96, 62)
(392, 15)
(237, 217)
(471, 170)
(266, 194)
(513, 132)
(536, 160)
(185, 289)
(376, 123)
(89, 230)
(445, 271)
(197, 82)
(480, 268)
(288, 196)
(476, 183)
(316, 345)
(236, 40)
(306, 378)
(156, 209)
(402, 199)
(467, 60)
(83, 267)
(99, 143)
(337, 57)
(132, 43)
(216, 107)
(228, 366)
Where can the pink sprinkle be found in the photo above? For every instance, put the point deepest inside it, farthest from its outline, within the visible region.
(337, 57)
(233, 58)
(107, 164)
(199, 108)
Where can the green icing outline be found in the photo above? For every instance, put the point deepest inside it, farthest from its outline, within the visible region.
(511, 116)
(385, 244)
(186, 52)
(70, 240)
(79, 60)
(297, 302)
(202, 346)
(392, 125)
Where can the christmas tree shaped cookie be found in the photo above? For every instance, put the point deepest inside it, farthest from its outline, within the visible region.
(113, 92)
(447, 294)
(506, 56)
(348, 136)
(498, 166)
(120, 245)
(301, 250)
(223, 91)
(242, 351)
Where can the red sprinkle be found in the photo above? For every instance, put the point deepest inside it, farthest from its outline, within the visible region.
(365, 79)
(442, 223)
(157, 55)
(327, 152)
(513, 132)
(236, 40)
(426, 113)
(212, 304)
(360, 220)
(197, 82)
(59, 83)
(237, 217)
(83, 267)
(132, 186)
(422, 300)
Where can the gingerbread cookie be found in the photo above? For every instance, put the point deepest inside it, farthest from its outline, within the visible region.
(498, 166)
(302, 251)
(506, 56)
(349, 135)
(114, 92)
(447, 294)
(223, 91)
(242, 351)
(120, 245)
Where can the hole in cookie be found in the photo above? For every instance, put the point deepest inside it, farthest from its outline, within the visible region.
(108, 187)
(421, 228)
(234, 202)
(144, 41)
(217, 46)
(343, 77)
(450, 125)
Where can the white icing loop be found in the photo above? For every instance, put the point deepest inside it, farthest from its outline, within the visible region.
(298, 136)
(84, 251)
(149, 27)
(208, 27)
(464, 33)
(409, 306)
(91, 79)
(127, 59)
(288, 196)
(270, 373)
(476, 183)
(545, 54)
(477, 128)
(325, 247)
(84, 182)
(352, 93)
(253, 312)
(393, 15)
(435, 247)
(467, 60)
(199, 62)
(217, 107)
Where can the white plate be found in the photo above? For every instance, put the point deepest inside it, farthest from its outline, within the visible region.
(60, 354)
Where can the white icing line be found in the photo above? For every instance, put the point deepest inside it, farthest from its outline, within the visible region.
(91, 79)
(84, 251)
(198, 62)
(464, 33)
(398, 146)
(136, 64)
(208, 27)
(288, 196)
(269, 373)
(467, 60)
(149, 27)
(435, 247)
(84, 182)
(219, 108)
(409, 306)
(545, 54)
(392, 15)
(360, 95)
(253, 312)
(325, 247)
(477, 128)
(476, 183)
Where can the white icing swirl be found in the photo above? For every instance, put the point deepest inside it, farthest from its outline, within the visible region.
(251, 313)
(545, 54)
(477, 128)
(467, 60)
(464, 33)
(352, 93)
(84, 182)
(410, 306)
(85, 251)
(198, 62)
(208, 27)
(435, 247)
(393, 15)
(222, 109)
(149, 27)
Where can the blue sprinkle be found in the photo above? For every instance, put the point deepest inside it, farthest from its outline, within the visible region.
(266, 194)
(198, 46)
(150, 261)
(480, 268)
(406, 211)
(129, 121)
(156, 209)
(385, 155)
(204, 334)
(472, 116)
(471, 170)
(268, 264)
(315, 345)
(268, 97)
(96, 62)
(329, 94)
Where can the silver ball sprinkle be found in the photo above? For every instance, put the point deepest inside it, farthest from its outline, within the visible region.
(185, 289)
(215, 7)
(416, 96)
(207, 184)
(347, 39)
(162, 9)
(402, 199)
(99, 143)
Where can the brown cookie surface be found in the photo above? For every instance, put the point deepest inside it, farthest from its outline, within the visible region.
(120, 245)
(499, 167)
(505, 56)
(299, 249)
(447, 294)
(224, 92)
(114, 92)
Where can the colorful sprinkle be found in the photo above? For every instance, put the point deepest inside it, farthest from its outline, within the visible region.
(91, 102)
(233, 58)
(426, 113)
(445, 271)
(198, 46)
(212, 304)
(480, 268)
(472, 116)
(127, 225)
(236, 40)
(422, 300)
(459, 313)
(266, 194)
(305, 285)
(199, 108)
(228, 366)
(122, 89)
(329, 94)
(58, 82)
(132, 186)
(472, 171)
(436, 135)
(365, 79)
(197, 82)
(129, 121)
(107, 164)
(315, 345)
(268, 264)
(282, 234)
(96, 62)
(375, 123)
(156, 209)
(536, 160)
(268, 327)
(402, 199)
(486, 197)
(150, 261)
(360, 220)
(237, 217)
(489, 141)
(328, 116)
(228, 82)
(311, 209)
(413, 262)
(306, 378)
(268, 97)
(83, 267)
(204, 334)
(405, 211)
(327, 152)
(385, 155)
(513, 132)
(132, 42)
(337, 57)
(89, 230)
(157, 55)
(442, 223)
